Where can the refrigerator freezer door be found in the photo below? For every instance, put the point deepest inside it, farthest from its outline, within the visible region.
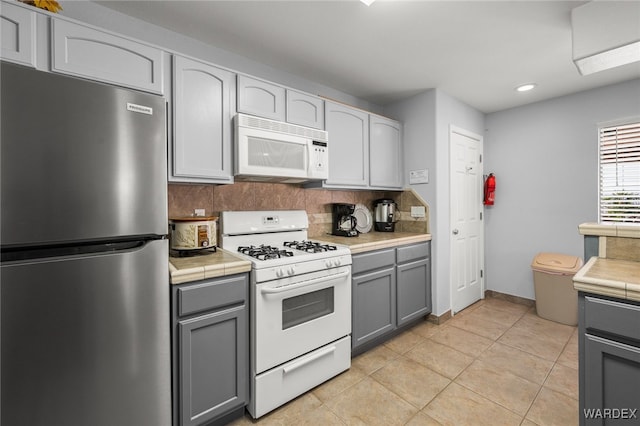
(85, 340)
(79, 160)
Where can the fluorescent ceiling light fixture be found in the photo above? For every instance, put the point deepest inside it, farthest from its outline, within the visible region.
(609, 59)
(526, 87)
(606, 35)
(367, 2)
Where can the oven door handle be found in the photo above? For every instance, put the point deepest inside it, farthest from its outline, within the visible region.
(285, 288)
(309, 360)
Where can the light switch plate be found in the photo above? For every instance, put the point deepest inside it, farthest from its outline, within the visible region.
(417, 211)
(198, 212)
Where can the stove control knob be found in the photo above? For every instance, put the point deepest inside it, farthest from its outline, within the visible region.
(291, 270)
(338, 263)
(328, 263)
(280, 273)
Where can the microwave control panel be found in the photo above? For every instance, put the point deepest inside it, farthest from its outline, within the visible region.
(319, 160)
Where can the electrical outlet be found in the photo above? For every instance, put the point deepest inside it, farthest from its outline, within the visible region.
(198, 212)
(418, 211)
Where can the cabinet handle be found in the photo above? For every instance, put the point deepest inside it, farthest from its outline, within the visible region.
(284, 288)
(309, 360)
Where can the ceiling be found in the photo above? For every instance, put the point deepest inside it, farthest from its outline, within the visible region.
(476, 51)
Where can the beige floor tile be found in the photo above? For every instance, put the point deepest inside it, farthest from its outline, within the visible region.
(529, 341)
(480, 326)
(320, 416)
(500, 386)
(457, 405)
(370, 403)
(564, 380)
(374, 359)
(412, 381)
(515, 361)
(404, 342)
(503, 305)
(569, 356)
(338, 384)
(440, 358)
(291, 412)
(461, 340)
(500, 316)
(527, 422)
(421, 419)
(470, 308)
(545, 327)
(553, 408)
(426, 329)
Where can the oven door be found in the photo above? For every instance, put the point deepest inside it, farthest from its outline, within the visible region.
(296, 315)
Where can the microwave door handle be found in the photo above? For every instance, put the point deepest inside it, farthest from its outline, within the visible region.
(285, 288)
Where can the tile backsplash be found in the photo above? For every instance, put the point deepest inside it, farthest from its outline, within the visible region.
(185, 198)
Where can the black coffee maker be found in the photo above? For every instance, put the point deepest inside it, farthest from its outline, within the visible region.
(344, 223)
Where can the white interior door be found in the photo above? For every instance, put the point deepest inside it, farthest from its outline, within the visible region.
(467, 236)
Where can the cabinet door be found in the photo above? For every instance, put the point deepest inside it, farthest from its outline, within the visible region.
(18, 41)
(348, 146)
(385, 147)
(202, 141)
(305, 110)
(91, 53)
(612, 378)
(414, 290)
(257, 97)
(213, 365)
(374, 305)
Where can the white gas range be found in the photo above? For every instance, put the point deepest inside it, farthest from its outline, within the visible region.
(300, 304)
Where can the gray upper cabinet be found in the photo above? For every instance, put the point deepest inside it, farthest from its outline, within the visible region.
(348, 146)
(258, 97)
(98, 55)
(385, 153)
(18, 41)
(305, 110)
(202, 122)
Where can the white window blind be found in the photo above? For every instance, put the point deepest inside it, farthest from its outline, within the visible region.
(620, 173)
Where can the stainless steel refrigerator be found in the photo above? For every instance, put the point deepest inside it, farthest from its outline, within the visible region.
(84, 292)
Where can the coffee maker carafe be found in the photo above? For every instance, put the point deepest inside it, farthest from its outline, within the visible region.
(385, 215)
(344, 223)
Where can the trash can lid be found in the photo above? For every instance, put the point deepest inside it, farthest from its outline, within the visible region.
(556, 263)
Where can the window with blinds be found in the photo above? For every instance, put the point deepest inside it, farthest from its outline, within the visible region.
(620, 173)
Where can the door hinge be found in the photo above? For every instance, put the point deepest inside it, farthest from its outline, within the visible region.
(480, 215)
(481, 158)
(481, 273)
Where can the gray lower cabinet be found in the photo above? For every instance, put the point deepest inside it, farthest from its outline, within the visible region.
(210, 345)
(609, 367)
(391, 289)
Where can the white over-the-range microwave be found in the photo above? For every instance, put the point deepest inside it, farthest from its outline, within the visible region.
(274, 151)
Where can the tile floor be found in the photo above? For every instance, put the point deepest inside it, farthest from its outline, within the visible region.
(495, 363)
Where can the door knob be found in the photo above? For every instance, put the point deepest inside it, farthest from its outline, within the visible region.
(455, 232)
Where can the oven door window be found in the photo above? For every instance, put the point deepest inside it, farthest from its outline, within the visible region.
(306, 307)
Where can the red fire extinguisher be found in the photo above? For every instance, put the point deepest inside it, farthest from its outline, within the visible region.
(490, 190)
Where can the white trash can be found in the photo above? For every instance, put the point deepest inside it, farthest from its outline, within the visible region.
(556, 299)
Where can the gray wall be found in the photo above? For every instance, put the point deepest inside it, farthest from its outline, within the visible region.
(427, 118)
(544, 156)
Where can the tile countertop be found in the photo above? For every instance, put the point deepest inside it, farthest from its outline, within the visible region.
(374, 240)
(195, 268)
(609, 277)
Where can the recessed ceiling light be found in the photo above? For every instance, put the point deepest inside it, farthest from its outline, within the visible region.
(367, 2)
(526, 87)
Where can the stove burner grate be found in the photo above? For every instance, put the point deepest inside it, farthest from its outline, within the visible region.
(309, 246)
(264, 252)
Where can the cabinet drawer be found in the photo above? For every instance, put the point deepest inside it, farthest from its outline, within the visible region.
(414, 252)
(213, 294)
(621, 318)
(373, 260)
